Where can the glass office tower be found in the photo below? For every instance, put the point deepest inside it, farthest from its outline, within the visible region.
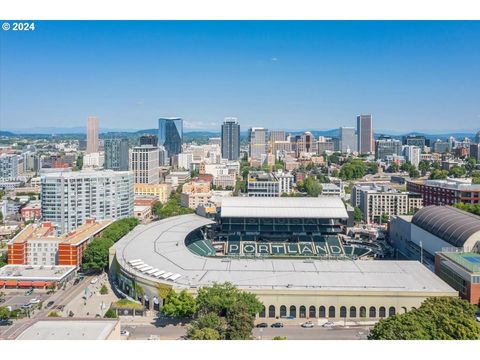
(170, 134)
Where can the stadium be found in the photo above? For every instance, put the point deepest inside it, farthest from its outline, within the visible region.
(285, 250)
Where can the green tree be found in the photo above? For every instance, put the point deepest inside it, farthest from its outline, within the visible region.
(423, 167)
(438, 174)
(438, 318)
(180, 304)
(384, 218)
(4, 313)
(456, 171)
(393, 168)
(312, 187)
(53, 314)
(279, 338)
(471, 164)
(104, 290)
(111, 314)
(240, 322)
(357, 214)
(217, 327)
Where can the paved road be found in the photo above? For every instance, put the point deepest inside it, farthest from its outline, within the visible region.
(142, 332)
(60, 297)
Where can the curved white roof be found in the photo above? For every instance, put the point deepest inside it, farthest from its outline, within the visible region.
(162, 244)
(324, 207)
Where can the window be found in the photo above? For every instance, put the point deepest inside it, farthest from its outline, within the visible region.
(271, 311)
(343, 312)
(322, 312)
(303, 312)
(363, 311)
(312, 312)
(372, 312)
(262, 313)
(353, 312)
(331, 312)
(293, 311)
(391, 311)
(283, 310)
(382, 312)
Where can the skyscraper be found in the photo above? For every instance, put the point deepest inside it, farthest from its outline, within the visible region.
(230, 139)
(116, 154)
(149, 140)
(365, 134)
(92, 134)
(385, 146)
(170, 134)
(348, 141)
(144, 163)
(8, 166)
(257, 140)
(69, 198)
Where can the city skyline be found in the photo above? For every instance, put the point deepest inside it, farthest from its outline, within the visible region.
(411, 76)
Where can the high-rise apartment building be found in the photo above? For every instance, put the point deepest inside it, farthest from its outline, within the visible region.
(416, 140)
(170, 135)
(306, 143)
(257, 142)
(69, 198)
(116, 154)
(92, 134)
(386, 146)
(149, 140)
(412, 154)
(144, 162)
(348, 140)
(8, 166)
(230, 139)
(477, 137)
(365, 134)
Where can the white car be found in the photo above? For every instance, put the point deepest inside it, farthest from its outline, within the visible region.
(125, 333)
(153, 337)
(328, 324)
(94, 280)
(34, 301)
(308, 324)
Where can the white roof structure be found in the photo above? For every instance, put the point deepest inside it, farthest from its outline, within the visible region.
(284, 207)
(162, 244)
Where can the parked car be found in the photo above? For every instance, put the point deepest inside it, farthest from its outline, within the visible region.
(153, 337)
(71, 314)
(26, 306)
(50, 303)
(77, 280)
(328, 324)
(308, 324)
(81, 277)
(5, 322)
(262, 325)
(277, 325)
(34, 301)
(2, 300)
(94, 280)
(125, 333)
(29, 292)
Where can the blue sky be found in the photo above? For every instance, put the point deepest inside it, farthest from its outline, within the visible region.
(411, 76)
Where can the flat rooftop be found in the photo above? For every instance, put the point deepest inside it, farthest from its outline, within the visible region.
(468, 260)
(35, 272)
(68, 329)
(162, 245)
(325, 207)
(46, 232)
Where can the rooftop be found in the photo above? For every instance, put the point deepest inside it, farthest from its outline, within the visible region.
(69, 329)
(453, 225)
(161, 245)
(284, 207)
(468, 260)
(35, 272)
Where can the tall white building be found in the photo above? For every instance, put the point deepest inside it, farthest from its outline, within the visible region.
(348, 139)
(412, 154)
(144, 162)
(8, 166)
(184, 160)
(69, 198)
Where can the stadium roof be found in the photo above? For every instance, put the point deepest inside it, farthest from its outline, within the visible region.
(284, 207)
(161, 244)
(455, 226)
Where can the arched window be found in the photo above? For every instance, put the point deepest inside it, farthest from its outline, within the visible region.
(363, 311)
(312, 312)
(331, 312)
(391, 311)
(343, 312)
(303, 312)
(353, 312)
(404, 309)
(283, 310)
(413, 308)
(382, 312)
(321, 312)
(262, 313)
(293, 311)
(372, 312)
(271, 311)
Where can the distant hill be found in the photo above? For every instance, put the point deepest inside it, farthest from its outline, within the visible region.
(6, 133)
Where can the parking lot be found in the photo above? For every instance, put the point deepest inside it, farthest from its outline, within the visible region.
(17, 298)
